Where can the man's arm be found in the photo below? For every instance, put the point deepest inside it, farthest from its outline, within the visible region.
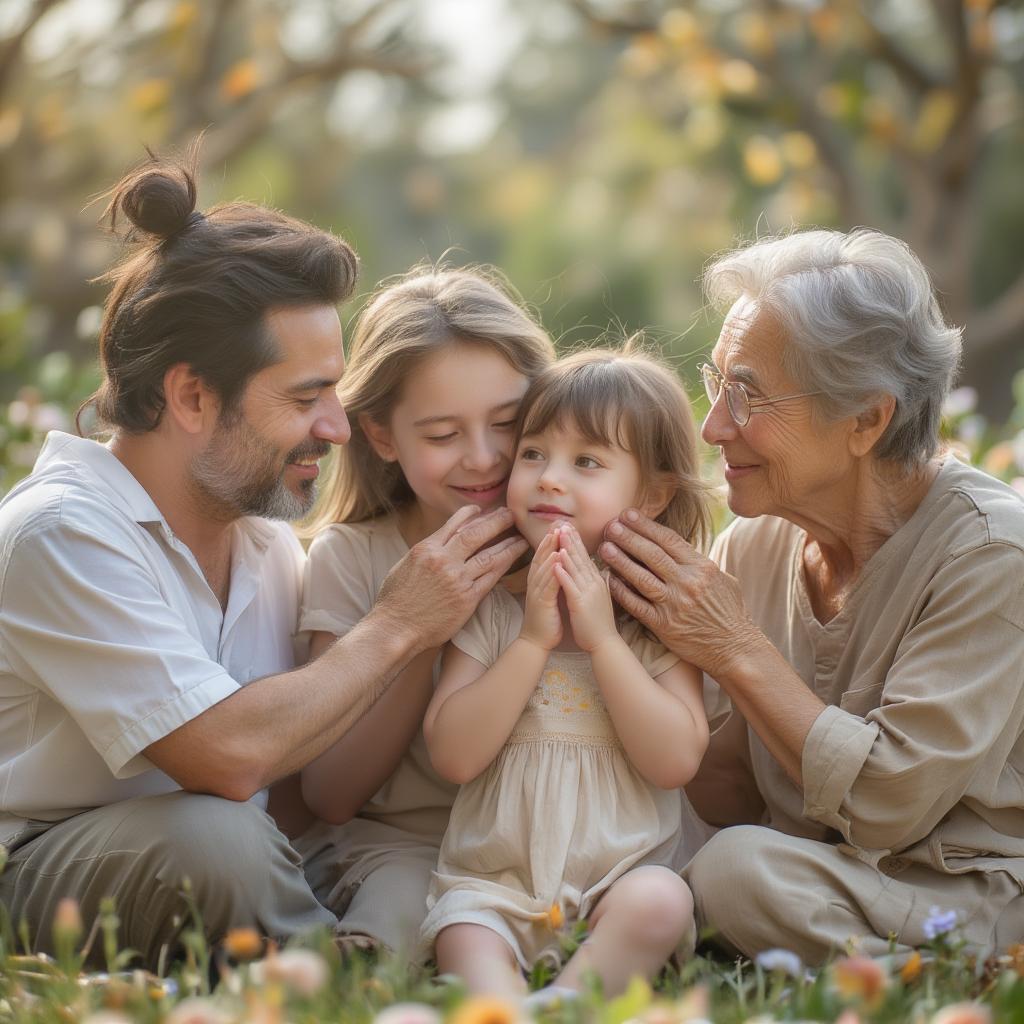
(274, 726)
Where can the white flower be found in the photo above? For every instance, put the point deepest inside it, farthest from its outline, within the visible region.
(196, 1011)
(302, 970)
(106, 1017)
(408, 1013)
(780, 960)
(959, 402)
(939, 922)
(971, 429)
(1018, 449)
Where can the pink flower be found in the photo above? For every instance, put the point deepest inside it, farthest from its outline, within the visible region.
(408, 1013)
(963, 1013)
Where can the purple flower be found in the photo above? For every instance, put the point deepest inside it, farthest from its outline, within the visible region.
(939, 922)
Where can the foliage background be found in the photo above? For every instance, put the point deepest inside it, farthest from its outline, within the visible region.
(597, 150)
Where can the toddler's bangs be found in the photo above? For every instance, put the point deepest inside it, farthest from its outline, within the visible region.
(592, 398)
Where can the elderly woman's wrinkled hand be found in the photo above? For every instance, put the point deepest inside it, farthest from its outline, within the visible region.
(694, 608)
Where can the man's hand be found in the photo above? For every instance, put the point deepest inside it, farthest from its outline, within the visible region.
(435, 588)
(694, 608)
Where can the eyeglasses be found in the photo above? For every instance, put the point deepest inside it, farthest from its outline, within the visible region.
(737, 400)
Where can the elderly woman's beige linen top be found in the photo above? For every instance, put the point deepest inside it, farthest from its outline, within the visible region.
(919, 755)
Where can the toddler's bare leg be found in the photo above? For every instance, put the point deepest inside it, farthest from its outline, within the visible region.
(634, 929)
(482, 958)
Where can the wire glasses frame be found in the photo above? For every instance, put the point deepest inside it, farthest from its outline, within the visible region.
(737, 400)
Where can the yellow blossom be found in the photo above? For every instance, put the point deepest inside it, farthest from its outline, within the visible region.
(555, 916)
(243, 943)
(761, 160)
(240, 80)
(911, 970)
(1016, 955)
(150, 95)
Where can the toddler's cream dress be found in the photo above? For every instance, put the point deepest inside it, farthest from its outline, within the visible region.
(559, 815)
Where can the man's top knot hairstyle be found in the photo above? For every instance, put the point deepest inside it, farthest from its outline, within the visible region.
(195, 288)
(159, 199)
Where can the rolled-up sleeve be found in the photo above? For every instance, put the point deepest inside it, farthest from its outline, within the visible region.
(83, 619)
(952, 701)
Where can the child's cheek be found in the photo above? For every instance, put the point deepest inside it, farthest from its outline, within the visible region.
(517, 498)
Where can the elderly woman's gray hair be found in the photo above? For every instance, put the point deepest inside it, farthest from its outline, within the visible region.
(860, 318)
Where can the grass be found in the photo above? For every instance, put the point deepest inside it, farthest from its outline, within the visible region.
(245, 979)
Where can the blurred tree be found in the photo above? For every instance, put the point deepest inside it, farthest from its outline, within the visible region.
(901, 115)
(85, 84)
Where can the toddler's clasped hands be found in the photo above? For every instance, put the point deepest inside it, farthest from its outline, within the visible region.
(561, 564)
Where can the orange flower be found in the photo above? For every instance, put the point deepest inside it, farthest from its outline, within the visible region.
(1016, 955)
(555, 916)
(243, 943)
(485, 1010)
(860, 978)
(911, 970)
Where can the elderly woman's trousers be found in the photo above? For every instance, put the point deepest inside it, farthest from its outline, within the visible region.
(759, 888)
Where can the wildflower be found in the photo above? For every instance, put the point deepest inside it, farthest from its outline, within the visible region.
(243, 943)
(106, 1017)
(555, 916)
(860, 978)
(911, 970)
(408, 1013)
(780, 960)
(1015, 957)
(197, 1011)
(960, 402)
(939, 922)
(302, 970)
(963, 1013)
(485, 1010)
(67, 920)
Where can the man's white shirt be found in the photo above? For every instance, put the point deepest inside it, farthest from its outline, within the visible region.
(110, 637)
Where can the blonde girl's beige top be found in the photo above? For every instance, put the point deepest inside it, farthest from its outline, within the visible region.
(560, 814)
(346, 566)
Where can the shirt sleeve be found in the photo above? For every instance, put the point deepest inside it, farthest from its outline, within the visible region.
(84, 619)
(953, 699)
(338, 586)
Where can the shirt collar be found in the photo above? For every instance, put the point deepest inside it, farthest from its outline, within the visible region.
(120, 486)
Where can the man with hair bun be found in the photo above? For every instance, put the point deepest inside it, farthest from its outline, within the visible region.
(149, 591)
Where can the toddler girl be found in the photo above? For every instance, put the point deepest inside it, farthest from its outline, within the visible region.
(438, 365)
(569, 731)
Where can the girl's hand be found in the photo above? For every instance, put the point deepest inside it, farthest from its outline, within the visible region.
(542, 621)
(586, 593)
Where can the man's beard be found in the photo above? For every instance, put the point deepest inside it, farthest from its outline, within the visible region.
(239, 473)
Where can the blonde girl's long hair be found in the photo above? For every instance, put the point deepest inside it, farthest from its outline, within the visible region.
(407, 320)
(628, 397)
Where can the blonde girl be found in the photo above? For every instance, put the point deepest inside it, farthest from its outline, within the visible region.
(438, 365)
(569, 731)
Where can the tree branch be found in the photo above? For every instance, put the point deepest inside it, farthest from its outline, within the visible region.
(12, 47)
(998, 323)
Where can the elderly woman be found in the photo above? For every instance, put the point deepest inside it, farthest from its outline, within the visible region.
(865, 616)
